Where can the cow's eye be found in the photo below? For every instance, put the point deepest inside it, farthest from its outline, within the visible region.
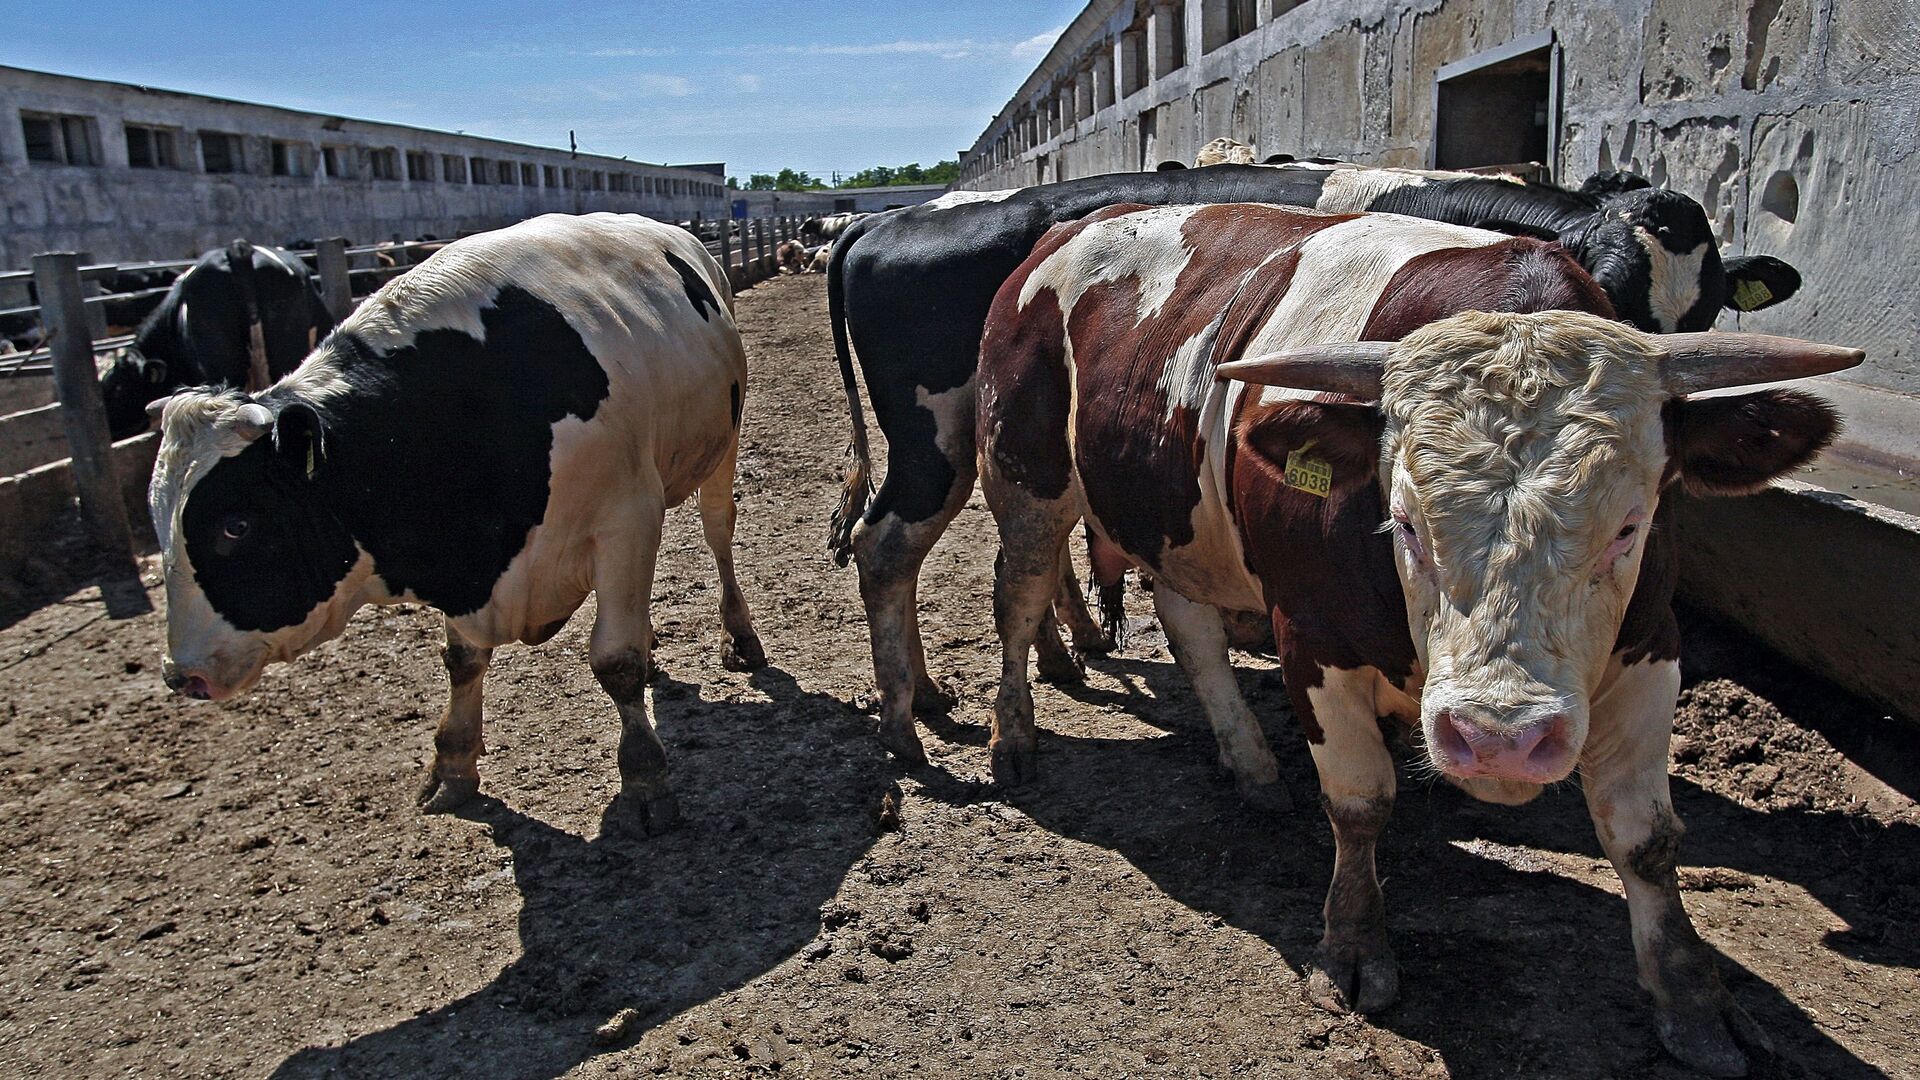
(1626, 532)
(235, 527)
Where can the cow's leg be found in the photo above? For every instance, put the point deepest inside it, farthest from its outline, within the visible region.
(1354, 966)
(1623, 768)
(1056, 663)
(621, 653)
(457, 745)
(1199, 644)
(743, 651)
(928, 697)
(1026, 576)
(929, 478)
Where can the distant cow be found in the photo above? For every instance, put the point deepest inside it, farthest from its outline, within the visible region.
(1453, 518)
(825, 230)
(818, 258)
(496, 434)
(790, 256)
(908, 293)
(240, 317)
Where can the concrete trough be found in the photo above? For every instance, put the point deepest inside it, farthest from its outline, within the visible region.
(1829, 581)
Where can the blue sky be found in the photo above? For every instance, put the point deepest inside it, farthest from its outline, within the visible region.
(820, 85)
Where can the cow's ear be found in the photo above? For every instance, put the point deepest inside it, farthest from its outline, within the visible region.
(1169, 166)
(1736, 445)
(1759, 281)
(155, 371)
(299, 437)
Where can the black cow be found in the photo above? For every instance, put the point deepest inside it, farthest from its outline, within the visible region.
(910, 290)
(241, 316)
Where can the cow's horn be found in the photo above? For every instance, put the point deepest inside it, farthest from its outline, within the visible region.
(1352, 368)
(1712, 360)
(252, 420)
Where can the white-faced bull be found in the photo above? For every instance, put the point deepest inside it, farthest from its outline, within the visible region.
(1447, 496)
(496, 434)
(908, 293)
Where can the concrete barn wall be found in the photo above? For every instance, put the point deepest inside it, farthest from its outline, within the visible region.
(1796, 123)
(123, 214)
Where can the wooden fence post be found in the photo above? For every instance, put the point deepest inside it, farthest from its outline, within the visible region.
(336, 284)
(103, 509)
(96, 313)
(726, 252)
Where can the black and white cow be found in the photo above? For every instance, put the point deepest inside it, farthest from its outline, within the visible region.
(496, 434)
(825, 230)
(241, 317)
(909, 292)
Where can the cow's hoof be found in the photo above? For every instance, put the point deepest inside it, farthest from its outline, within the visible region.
(1716, 1038)
(1058, 667)
(637, 815)
(903, 743)
(1015, 763)
(930, 699)
(1098, 643)
(1268, 798)
(445, 794)
(743, 654)
(1343, 979)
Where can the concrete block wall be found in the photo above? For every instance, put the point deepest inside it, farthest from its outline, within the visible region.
(122, 214)
(1796, 123)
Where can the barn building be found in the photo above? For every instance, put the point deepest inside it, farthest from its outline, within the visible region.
(127, 173)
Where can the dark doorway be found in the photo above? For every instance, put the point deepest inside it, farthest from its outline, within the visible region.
(1501, 107)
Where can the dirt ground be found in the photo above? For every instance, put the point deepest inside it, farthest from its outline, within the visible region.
(188, 890)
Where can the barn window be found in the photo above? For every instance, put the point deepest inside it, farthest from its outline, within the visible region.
(383, 163)
(478, 173)
(1500, 107)
(338, 162)
(552, 175)
(152, 147)
(1133, 61)
(222, 152)
(60, 139)
(419, 165)
(453, 168)
(1222, 21)
(286, 158)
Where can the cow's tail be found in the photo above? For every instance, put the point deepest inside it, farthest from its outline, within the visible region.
(1109, 568)
(858, 485)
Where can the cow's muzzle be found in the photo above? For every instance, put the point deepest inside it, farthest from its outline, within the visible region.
(1534, 745)
(184, 684)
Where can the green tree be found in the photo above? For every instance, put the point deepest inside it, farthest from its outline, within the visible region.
(945, 172)
(760, 182)
(793, 180)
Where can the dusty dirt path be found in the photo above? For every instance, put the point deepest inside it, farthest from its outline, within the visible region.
(198, 891)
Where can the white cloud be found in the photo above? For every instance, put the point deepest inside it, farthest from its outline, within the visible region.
(1036, 46)
(653, 85)
(619, 52)
(746, 84)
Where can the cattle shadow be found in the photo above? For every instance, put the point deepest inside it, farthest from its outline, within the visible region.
(1509, 967)
(778, 802)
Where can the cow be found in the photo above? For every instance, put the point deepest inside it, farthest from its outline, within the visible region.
(908, 292)
(790, 256)
(495, 435)
(1437, 462)
(1223, 151)
(825, 230)
(241, 316)
(817, 259)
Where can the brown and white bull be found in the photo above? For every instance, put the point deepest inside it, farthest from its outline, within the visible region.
(496, 434)
(1447, 498)
(790, 257)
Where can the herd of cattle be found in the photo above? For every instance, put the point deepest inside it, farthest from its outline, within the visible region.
(1421, 423)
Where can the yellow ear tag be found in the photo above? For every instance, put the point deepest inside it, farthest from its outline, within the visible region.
(1751, 295)
(1309, 474)
(309, 461)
